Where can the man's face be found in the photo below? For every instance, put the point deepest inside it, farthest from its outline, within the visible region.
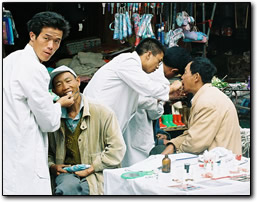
(65, 83)
(187, 79)
(152, 62)
(47, 42)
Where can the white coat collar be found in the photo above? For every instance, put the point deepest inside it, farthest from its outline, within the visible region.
(30, 49)
(135, 55)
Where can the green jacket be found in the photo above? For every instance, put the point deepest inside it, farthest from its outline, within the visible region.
(100, 143)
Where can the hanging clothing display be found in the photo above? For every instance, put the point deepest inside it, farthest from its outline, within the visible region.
(9, 30)
(170, 25)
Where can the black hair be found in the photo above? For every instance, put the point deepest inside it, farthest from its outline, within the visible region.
(204, 67)
(177, 57)
(150, 44)
(48, 19)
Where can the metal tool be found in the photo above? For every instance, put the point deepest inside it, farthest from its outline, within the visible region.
(75, 94)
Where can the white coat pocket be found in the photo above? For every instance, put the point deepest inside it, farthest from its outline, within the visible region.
(41, 166)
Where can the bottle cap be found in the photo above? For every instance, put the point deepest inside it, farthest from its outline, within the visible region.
(186, 166)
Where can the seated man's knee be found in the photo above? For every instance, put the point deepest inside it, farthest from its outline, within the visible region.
(158, 149)
(67, 184)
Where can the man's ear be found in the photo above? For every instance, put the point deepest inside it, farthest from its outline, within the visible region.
(32, 36)
(170, 72)
(78, 80)
(148, 55)
(174, 70)
(197, 77)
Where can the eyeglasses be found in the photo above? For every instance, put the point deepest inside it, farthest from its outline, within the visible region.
(160, 63)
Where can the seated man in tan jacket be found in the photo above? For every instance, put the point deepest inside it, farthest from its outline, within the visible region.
(89, 134)
(213, 120)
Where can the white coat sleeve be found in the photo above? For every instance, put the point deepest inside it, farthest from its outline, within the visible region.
(35, 87)
(153, 107)
(131, 73)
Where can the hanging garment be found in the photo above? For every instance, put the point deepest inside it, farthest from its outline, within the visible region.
(9, 29)
(145, 27)
(186, 22)
(122, 26)
(194, 36)
(173, 36)
(136, 19)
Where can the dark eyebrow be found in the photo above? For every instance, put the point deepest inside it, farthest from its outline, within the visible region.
(52, 36)
(66, 78)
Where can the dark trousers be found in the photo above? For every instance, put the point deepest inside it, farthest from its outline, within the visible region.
(71, 184)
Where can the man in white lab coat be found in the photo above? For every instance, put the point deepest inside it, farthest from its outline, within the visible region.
(139, 136)
(28, 109)
(119, 83)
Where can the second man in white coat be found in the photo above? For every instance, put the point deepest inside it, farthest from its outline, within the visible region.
(119, 83)
(139, 136)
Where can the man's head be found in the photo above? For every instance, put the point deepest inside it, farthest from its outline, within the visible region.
(64, 81)
(46, 30)
(197, 73)
(175, 61)
(151, 53)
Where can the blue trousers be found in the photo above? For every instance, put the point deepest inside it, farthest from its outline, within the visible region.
(71, 184)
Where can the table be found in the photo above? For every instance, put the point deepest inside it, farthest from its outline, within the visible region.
(174, 183)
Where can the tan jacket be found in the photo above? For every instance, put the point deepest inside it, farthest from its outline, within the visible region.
(213, 122)
(100, 143)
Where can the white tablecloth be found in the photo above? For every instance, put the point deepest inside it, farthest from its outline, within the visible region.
(175, 183)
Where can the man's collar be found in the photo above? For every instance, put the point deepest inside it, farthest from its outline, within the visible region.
(29, 48)
(64, 109)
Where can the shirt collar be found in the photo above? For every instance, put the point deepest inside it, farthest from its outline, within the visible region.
(134, 53)
(199, 92)
(86, 107)
(65, 113)
(30, 49)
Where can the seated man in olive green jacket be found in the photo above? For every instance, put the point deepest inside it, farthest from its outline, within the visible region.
(89, 134)
(213, 120)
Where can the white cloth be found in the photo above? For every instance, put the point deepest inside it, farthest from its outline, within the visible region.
(28, 113)
(119, 83)
(139, 136)
(170, 183)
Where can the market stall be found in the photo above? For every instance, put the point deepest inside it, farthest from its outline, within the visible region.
(101, 31)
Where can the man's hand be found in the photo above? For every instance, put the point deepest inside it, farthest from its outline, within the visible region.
(175, 86)
(66, 101)
(161, 136)
(86, 172)
(169, 149)
(178, 94)
(165, 142)
(57, 169)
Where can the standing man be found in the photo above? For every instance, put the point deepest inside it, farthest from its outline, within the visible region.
(139, 135)
(119, 83)
(89, 134)
(213, 120)
(28, 109)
